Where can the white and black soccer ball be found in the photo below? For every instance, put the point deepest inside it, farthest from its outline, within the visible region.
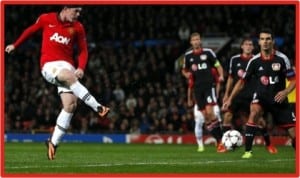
(232, 139)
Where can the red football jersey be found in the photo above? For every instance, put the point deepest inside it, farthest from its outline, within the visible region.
(59, 39)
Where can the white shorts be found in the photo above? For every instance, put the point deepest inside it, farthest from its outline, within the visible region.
(50, 70)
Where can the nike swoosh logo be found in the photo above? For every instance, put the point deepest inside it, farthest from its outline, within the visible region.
(51, 25)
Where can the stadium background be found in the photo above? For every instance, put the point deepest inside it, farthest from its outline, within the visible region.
(132, 63)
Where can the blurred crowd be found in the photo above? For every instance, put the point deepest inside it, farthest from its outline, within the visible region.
(132, 52)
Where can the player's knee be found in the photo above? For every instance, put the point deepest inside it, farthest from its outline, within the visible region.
(255, 111)
(227, 117)
(211, 116)
(253, 117)
(262, 122)
(66, 76)
(70, 107)
(291, 132)
(226, 120)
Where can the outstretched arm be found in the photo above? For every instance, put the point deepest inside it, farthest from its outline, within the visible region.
(25, 35)
(237, 88)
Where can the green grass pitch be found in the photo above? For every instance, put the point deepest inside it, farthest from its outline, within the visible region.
(92, 158)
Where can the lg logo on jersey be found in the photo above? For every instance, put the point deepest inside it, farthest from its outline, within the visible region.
(199, 66)
(60, 39)
(269, 80)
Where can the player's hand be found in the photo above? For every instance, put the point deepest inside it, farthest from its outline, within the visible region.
(221, 78)
(190, 103)
(79, 73)
(188, 75)
(226, 105)
(9, 48)
(281, 96)
(225, 98)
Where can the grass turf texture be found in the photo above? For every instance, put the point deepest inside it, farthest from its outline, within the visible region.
(88, 158)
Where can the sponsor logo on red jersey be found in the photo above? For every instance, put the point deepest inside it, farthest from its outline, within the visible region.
(60, 39)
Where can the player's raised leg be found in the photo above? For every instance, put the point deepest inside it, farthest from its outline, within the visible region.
(70, 80)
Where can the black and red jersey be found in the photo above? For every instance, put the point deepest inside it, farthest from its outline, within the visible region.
(237, 67)
(200, 65)
(270, 74)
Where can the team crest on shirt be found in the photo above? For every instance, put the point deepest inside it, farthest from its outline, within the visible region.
(192, 59)
(276, 66)
(203, 57)
(71, 30)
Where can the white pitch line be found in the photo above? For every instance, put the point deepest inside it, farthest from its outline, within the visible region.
(138, 164)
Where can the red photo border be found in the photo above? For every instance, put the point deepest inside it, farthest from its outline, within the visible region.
(145, 2)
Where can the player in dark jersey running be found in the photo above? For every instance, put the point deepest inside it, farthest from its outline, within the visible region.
(240, 105)
(270, 68)
(198, 63)
(60, 32)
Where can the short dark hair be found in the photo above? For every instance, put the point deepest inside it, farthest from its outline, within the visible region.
(267, 30)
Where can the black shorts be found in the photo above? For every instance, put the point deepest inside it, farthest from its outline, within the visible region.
(241, 103)
(205, 95)
(282, 113)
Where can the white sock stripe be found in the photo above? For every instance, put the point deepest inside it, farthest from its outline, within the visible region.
(81, 92)
(61, 128)
(86, 96)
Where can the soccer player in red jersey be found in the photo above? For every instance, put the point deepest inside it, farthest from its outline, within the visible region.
(60, 32)
(270, 68)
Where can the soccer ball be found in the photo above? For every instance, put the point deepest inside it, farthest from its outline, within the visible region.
(232, 139)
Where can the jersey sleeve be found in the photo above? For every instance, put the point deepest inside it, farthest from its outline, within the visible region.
(289, 71)
(30, 30)
(213, 58)
(82, 46)
(290, 74)
(250, 69)
(230, 66)
(185, 64)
